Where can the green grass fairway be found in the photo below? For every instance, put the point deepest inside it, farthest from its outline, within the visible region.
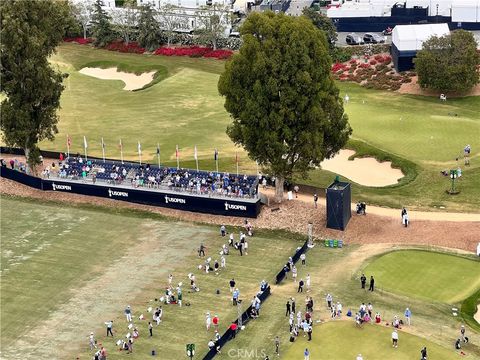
(343, 341)
(184, 108)
(428, 275)
(66, 270)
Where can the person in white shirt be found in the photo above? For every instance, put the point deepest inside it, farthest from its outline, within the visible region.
(395, 338)
(307, 282)
(208, 321)
(359, 357)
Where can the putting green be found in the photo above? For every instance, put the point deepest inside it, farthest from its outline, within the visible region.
(427, 275)
(342, 340)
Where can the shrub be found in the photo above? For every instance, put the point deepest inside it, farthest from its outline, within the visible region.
(79, 40)
(194, 51)
(373, 62)
(120, 46)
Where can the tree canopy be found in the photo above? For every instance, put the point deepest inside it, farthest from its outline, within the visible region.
(31, 86)
(323, 23)
(284, 104)
(102, 31)
(449, 63)
(148, 27)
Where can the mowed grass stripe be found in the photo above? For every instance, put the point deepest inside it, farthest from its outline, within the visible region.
(428, 275)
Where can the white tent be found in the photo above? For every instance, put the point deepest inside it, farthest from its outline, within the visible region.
(466, 11)
(411, 37)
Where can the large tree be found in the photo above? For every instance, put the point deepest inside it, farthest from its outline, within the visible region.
(102, 31)
(148, 27)
(82, 11)
(323, 23)
(31, 86)
(125, 20)
(285, 107)
(170, 20)
(212, 21)
(449, 63)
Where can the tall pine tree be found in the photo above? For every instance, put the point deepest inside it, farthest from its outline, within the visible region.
(148, 28)
(102, 31)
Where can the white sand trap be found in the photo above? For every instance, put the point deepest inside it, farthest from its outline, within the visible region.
(477, 314)
(132, 81)
(363, 171)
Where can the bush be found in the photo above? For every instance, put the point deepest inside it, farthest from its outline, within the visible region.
(373, 62)
(79, 40)
(194, 51)
(120, 46)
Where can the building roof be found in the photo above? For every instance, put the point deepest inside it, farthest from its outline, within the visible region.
(411, 37)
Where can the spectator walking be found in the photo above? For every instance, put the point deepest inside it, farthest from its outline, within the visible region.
(315, 200)
(307, 282)
(300, 286)
(306, 355)
(150, 328)
(201, 250)
(294, 273)
(109, 327)
(404, 217)
(303, 258)
(408, 316)
(233, 330)
(288, 308)
(92, 342)
(294, 306)
(423, 353)
(128, 313)
(232, 285)
(372, 284)
(277, 345)
(395, 338)
(363, 281)
(208, 320)
(329, 300)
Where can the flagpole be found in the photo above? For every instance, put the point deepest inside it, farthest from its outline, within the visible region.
(158, 154)
(103, 150)
(236, 158)
(85, 146)
(178, 160)
(121, 151)
(196, 157)
(68, 145)
(140, 152)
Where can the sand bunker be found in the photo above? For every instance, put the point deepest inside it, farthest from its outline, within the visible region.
(363, 171)
(132, 81)
(477, 314)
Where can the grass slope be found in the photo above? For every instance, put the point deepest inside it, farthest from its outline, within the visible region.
(343, 341)
(428, 275)
(182, 106)
(50, 253)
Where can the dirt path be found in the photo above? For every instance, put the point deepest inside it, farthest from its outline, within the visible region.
(102, 297)
(395, 213)
(295, 215)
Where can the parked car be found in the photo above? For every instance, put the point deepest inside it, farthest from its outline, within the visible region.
(370, 38)
(353, 39)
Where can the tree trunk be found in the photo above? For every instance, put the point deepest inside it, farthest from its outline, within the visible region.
(279, 182)
(84, 32)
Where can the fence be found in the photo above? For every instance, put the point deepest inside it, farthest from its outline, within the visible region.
(228, 335)
(281, 275)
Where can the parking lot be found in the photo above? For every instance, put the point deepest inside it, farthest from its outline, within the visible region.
(388, 39)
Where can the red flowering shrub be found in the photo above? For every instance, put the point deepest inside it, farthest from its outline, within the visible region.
(194, 51)
(373, 62)
(79, 40)
(120, 46)
(353, 61)
(339, 66)
(364, 66)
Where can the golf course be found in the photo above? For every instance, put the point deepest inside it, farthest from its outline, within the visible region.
(111, 259)
(181, 106)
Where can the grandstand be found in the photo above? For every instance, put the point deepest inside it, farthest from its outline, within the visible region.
(115, 173)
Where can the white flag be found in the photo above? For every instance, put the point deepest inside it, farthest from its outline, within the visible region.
(139, 148)
(85, 142)
(195, 153)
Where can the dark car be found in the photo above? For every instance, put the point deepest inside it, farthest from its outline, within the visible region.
(353, 39)
(370, 38)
